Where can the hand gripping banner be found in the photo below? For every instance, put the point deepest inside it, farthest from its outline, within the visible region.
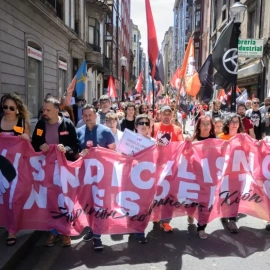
(117, 194)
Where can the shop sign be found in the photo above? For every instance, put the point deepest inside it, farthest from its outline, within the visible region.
(62, 65)
(33, 53)
(250, 48)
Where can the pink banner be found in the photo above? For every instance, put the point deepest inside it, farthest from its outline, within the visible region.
(113, 193)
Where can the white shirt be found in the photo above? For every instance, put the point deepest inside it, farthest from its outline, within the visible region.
(117, 136)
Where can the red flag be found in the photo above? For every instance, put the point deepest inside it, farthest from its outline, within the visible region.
(139, 84)
(152, 37)
(176, 79)
(70, 89)
(111, 88)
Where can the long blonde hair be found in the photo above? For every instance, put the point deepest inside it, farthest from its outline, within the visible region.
(22, 109)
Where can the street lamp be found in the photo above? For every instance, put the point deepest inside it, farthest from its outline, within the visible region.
(237, 14)
(123, 61)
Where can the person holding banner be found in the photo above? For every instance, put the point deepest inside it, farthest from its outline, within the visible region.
(231, 126)
(15, 121)
(53, 129)
(111, 122)
(142, 125)
(204, 129)
(93, 135)
(164, 133)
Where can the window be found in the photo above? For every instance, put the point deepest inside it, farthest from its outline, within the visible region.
(57, 5)
(94, 33)
(224, 15)
(224, 2)
(62, 70)
(198, 18)
(134, 38)
(34, 89)
(251, 24)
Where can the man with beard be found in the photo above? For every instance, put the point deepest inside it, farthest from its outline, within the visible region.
(257, 119)
(93, 135)
(216, 112)
(248, 126)
(53, 129)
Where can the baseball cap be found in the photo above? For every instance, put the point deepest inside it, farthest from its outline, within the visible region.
(166, 108)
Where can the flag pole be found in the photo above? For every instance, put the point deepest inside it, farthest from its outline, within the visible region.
(177, 98)
(153, 87)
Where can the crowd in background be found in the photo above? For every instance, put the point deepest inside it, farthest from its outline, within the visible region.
(78, 127)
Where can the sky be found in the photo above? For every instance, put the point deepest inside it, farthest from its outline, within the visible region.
(163, 17)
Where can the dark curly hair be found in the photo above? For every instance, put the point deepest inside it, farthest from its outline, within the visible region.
(197, 131)
(227, 121)
(22, 109)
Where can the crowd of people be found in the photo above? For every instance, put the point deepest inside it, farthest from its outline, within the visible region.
(76, 128)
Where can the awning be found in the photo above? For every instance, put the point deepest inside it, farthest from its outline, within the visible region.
(255, 68)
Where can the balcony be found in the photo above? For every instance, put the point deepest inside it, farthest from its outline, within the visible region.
(94, 59)
(56, 6)
(97, 9)
(95, 47)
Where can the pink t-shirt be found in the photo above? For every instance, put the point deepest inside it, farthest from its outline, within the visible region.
(51, 134)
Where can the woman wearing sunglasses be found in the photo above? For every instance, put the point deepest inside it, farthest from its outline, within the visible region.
(14, 122)
(232, 126)
(142, 125)
(204, 129)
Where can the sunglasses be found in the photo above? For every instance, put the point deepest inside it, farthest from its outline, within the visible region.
(255, 103)
(12, 108)
(144, 123)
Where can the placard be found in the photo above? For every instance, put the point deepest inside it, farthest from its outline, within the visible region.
(132, 143)
(250, 48)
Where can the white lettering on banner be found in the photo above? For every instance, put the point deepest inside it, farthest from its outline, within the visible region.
(117, 174)
(224, 186)
(136, 175)
(182, 169)
(266, 188)
(65, 202)
(39, 198)
(3, 179)
(162, 182)
(125, 200)
(88, 177)
(37, 163)
(184, 191)
(67, 177)
(265, 167)
(251, 161)
(98, 193)
(219, 164)
(239, 158)
(212, 196)
(56, 175)
(15, 181)
(247, 180)
(206, 171)
(225, 165)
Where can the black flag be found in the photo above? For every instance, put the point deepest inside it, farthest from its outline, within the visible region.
(225, 57)
(206, 78)
(159, 74)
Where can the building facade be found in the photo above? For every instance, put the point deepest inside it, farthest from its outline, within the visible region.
(125, 39)
(43, 43)
(135, 39)
(166, 50)
(253, 73)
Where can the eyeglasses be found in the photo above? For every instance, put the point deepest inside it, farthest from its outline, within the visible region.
(12, 108)
(144, 123)
(234, 122)
(255, 102)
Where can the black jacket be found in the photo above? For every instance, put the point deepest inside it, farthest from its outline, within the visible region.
(67, 137)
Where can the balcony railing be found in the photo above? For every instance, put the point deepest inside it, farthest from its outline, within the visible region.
(95, 47)
(107, 62)
(55, 6)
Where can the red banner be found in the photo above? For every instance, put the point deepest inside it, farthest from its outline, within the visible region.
(113, 193)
